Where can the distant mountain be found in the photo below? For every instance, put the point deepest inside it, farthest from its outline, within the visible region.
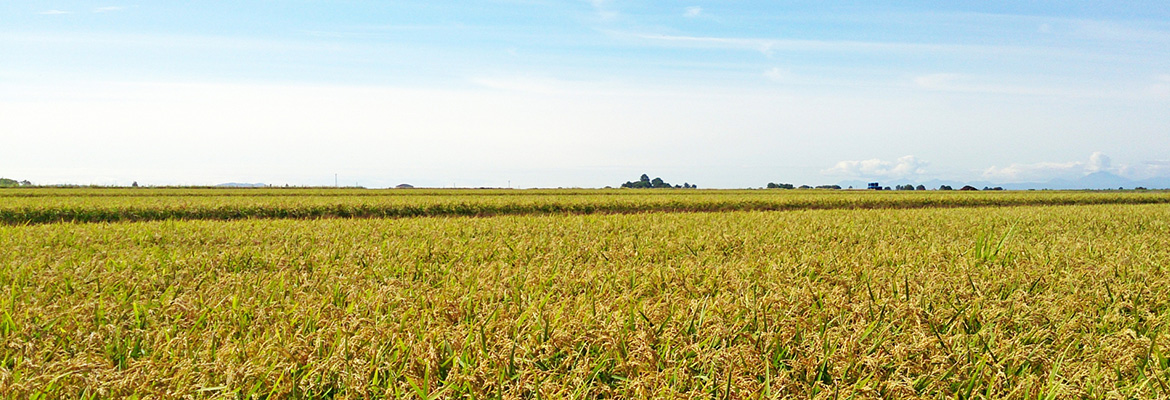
(1095, 181)
(242, 185)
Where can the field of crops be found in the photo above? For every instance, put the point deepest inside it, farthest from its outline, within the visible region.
(584, 294)
(25, 206)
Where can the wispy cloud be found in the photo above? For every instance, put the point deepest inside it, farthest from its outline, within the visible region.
(903, 167)
(1146, 169)
(1043, 171)
(769, 46)
(168, 41)
(603, 9)
(53, 12)
(108, 9)
(385, 31)
(1116, 32)
(692, 12)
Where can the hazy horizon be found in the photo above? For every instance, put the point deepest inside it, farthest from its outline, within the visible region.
(581, 94)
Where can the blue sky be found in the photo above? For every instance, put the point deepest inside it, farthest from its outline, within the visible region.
(581, 93)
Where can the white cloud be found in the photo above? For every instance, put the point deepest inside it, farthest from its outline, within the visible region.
(903, 167)
(1041, 171)
(692, 12)
(1044, 171)
(107, 9)
(1146, 170)
(1098, 162)
(53, 12)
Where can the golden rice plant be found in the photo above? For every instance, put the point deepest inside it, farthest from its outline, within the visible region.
(951, 302)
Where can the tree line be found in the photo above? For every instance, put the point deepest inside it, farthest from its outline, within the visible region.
(5, 182)
(657, 183)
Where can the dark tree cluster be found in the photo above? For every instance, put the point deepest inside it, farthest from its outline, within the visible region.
(5, 182)
(657, 183)
(773, 185)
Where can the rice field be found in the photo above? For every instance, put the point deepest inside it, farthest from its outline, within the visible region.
(37, 205)
(763, 294)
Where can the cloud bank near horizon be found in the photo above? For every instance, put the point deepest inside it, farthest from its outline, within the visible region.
(912, 168)
(1097, 162)
(905, 167)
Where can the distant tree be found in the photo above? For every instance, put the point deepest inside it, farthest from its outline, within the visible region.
(638, 184)
(920, 187)
(968, 187)
(1140, 188)
(904, 187)
(946, 187)
(835, 187)
(805, 187)
(135, 184)
(657, 183)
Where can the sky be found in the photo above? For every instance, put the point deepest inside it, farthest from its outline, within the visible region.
(532, 93)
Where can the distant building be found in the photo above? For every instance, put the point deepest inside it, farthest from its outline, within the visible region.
(874, 186)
